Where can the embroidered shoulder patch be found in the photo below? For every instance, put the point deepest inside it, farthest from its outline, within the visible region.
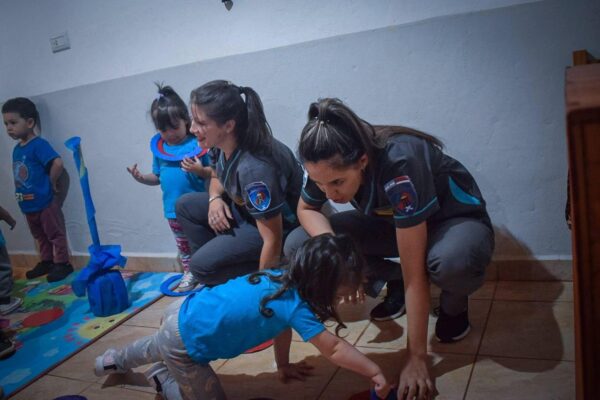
(259, 195)
(402, 195)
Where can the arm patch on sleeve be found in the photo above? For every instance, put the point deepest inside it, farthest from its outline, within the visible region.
(259, 195)
(402, 195)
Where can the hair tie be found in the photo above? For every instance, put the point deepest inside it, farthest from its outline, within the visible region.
(241, 89)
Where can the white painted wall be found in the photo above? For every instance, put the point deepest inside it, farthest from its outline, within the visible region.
(489, 81)
(117, 38)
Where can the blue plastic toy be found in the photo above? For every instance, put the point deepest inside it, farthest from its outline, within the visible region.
(390, 396)
(105, 286)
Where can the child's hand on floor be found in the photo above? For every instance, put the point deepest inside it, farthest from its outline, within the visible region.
(294, 371)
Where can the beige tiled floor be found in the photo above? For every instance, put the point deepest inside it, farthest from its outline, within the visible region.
(520, 347)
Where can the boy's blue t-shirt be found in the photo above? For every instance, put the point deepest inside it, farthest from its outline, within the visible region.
(31, 166)
(224, 321)
(175, 182)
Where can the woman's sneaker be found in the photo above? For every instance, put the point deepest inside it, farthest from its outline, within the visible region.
(392, 305)
(155, 375)
(452, 328)
(105, 364)
(13, 304)
(188, 282)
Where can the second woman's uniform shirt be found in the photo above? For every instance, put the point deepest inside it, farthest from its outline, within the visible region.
(413, 181)
(262, 186)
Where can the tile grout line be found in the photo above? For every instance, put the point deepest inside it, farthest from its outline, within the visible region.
(480, 341)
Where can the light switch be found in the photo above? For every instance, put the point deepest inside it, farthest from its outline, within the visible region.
(60, 42)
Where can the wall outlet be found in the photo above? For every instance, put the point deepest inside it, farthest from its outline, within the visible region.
(60, 42)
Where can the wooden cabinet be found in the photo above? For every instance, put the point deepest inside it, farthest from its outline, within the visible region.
(582, 93)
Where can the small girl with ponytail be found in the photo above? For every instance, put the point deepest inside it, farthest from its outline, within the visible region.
(179, 166)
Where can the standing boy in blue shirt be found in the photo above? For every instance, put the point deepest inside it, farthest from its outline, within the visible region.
(37, 168)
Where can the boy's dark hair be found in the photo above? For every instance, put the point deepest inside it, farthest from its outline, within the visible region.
(334, 132)
(168, 109)
(24, 107)
(317, 270)
(222, 101)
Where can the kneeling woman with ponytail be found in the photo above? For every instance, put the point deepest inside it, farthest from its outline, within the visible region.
(240, 224)
(412, 201)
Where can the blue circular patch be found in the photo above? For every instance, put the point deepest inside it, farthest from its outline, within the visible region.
(259, 195)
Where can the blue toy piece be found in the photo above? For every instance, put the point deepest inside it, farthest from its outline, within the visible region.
(157, 145)
(165, 287)
(105, 286)
(390, 396)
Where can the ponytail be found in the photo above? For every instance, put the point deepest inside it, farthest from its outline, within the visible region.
(167, 109)
(336, 134)
(223, 101)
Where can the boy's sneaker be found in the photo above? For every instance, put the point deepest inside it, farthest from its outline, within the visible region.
(12, 305)
(105, 364)
(7, 347)
(392, 305)
(155, 375)
(41, 268)
(59, 271)
(450, 328)
(188, 282)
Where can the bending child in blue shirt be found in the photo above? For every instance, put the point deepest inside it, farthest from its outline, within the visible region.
(213, 323)
(179, 166)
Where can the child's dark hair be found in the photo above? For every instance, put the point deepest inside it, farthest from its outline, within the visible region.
(334, 132)
(222, 101)
(317, 269)
(168, 109)
(24, 107)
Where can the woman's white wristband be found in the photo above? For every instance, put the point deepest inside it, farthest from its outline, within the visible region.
(214, 198)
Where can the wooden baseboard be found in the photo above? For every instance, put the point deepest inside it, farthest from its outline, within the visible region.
(504, 270)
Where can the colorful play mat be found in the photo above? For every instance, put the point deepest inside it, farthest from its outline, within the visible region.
(53, 324)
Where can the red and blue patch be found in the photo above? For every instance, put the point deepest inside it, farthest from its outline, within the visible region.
(402, 195)
(259, 195)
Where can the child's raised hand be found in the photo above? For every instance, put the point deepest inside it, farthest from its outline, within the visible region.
(298, 371)
(135, 172)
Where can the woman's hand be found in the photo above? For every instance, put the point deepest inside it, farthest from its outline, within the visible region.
(381, 387)
(415, 381)
(219, 215)
(294, 371)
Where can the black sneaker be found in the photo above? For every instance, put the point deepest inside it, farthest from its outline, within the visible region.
(7, 347)
(59, 271)
(449, 328)
(41, 268)
(392, 305)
